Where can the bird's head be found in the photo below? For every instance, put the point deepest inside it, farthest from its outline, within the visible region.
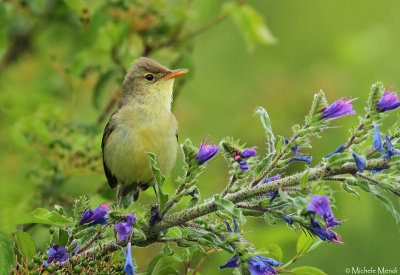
(149, 82)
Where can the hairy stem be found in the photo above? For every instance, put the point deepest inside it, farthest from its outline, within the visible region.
(230, 184)
(182, 217)
(172, 201)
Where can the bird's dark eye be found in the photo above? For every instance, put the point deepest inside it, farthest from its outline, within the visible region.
(149, 77)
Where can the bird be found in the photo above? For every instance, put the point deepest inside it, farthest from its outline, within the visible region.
(143, 123)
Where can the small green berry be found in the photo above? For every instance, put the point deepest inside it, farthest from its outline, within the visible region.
(58, 272)
(31, 266)
(85, 263)
(45, 257)
(92, 263)
(50, 269)
(77, 269)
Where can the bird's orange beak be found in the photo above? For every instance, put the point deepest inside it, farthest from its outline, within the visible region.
(175, 73)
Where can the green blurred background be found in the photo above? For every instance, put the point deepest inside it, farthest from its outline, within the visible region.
(341, 47)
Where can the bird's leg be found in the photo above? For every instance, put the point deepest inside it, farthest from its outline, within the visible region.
(120, 193)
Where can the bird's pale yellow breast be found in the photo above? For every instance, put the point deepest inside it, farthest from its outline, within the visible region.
(137, 131)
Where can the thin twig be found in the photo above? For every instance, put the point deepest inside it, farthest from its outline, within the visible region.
(172, 202)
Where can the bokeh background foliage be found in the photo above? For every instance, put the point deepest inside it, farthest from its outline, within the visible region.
(62, 64)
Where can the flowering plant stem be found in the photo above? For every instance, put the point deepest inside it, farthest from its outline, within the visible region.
(172, 201)
(208, 207)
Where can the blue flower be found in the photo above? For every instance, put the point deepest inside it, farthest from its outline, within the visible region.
(76, 249)
(301, 157)
(276, 177)
(320, 206)
(97, 216)
(338, 150)
(377, 141)
(228, 227)
(56, 254)
(257, 265)
(338, 108)
(124, 228)
(360, 162)
(287, 219)
(231, 263)
(324, 234)
(390, 149)
(388, 101)
(295, 149)
(262, 266)
(206, 152)
(243, 165)
(249, 152)
(128, 267)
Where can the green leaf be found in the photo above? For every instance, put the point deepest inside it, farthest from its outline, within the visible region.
(43, 216)
(210, 238)
(316, 107)
(375, 94)
(60, 237)
(337, 160)
(100, 86)
(250, 23)
(6, 254)
(163, 266)
(308, 270)
(223, 204)
(303, 243)
(275, 251)
(304, 180)
(387, 203)
(262, 166)
(174, 232)
(195, 194)
(266, 122)
(348, 189)
(26, 244)
(160, 179)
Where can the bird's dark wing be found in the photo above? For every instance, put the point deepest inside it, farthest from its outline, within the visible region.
(112, 180)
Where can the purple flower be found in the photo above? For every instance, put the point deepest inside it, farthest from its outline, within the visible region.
(56, 254)
(338, 108)
(295, 149)
(320, 206)
(276, 177)
(124, 228)
(257, 265)
(206, 152)
(388, 101)
(128, 267)
(338, 150)
(97, 216)
(377, 141)
(324, 234)
(249, 152)
(360, 162)
(244, 166)
(301, 157)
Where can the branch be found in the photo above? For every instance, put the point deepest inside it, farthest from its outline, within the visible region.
(180, 218)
